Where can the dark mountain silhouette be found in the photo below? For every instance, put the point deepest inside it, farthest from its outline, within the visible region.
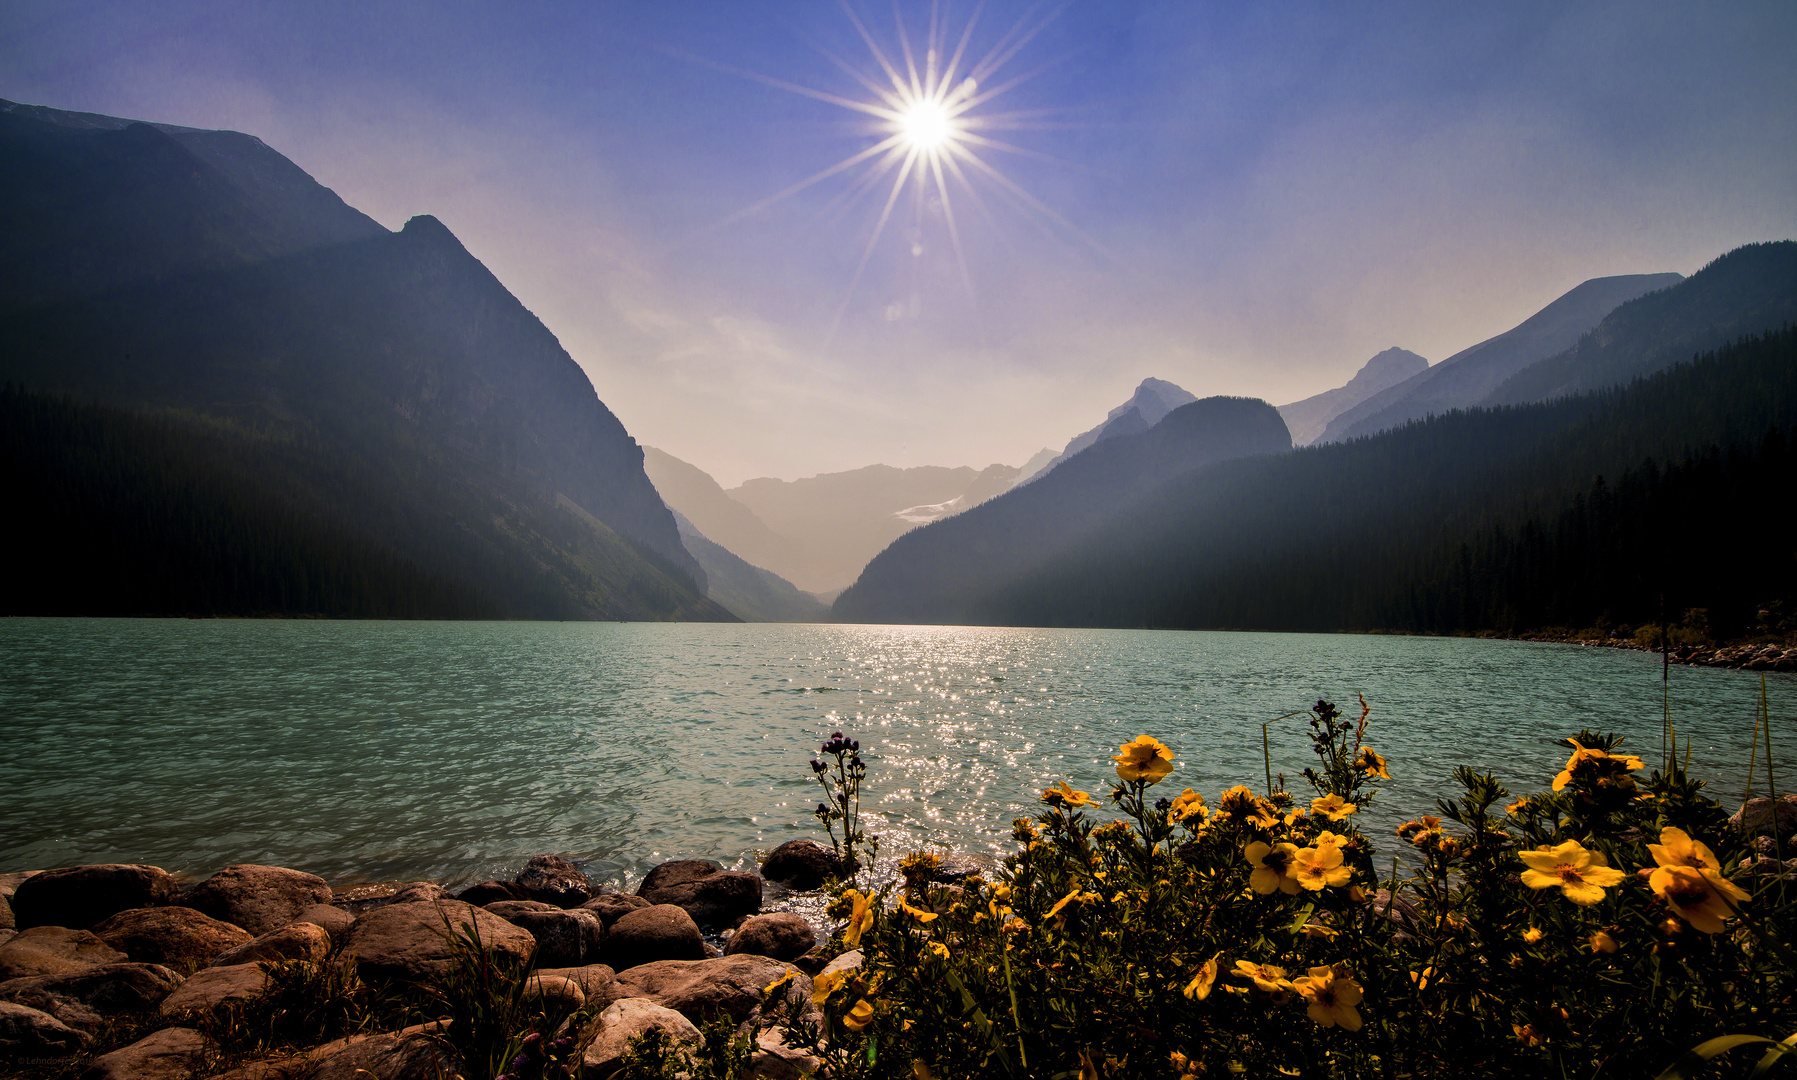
(1603, 509)
(1749, 290)
(1470, 375)
(1309, 417)
(946, 571)
(1152, 400)
(200, 276)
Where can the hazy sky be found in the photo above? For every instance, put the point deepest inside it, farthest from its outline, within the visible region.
(1244, 198)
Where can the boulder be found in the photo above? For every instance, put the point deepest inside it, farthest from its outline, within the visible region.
(657, 932)
(505, 909)
(611, 907)
(781, 935)
(800, 864)
(178, 937)
(1756, 817)
(257, 898)
(7, 935)
(414, 1053)
(702, 989)
(295, 941)
(712, 896)
(413, 941)
(564, 938)
(555, 993)
(86, 998)
(7, 922)
(598, 982)
(52, 950)
(628, 1019)
(848, 961)
(34, 1034)
(210, 987)
(419, 890)
(80, 896)
(483, 893)
(772, 1059)
(170, 1054)
(554, 880)
(335, 920)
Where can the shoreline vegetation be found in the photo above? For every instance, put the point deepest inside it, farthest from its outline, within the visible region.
(1620, 922)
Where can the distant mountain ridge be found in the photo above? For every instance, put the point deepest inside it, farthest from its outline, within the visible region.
(1152, 400)
(1308, 418)
(940, 573)
(1470, 375)
(202, 274)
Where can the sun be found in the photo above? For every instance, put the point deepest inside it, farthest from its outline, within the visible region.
(927, 125)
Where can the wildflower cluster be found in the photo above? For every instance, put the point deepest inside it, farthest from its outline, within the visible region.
(1593, 926)
(839, 770)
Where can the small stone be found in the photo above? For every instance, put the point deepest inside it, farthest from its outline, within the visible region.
(657, 932)
(555, 992)
(611, 907)
(598, 982)
(335, 920)
(80, 896)
(781, 935)
(626, 1020)
(295, 941)
(210, 987)
(554, 880)
(257, 898)
(178, 937)
(53, 950)
(419, 890)
(772, 1059)
(32, 1033)
(170, 1054)
(800, 864)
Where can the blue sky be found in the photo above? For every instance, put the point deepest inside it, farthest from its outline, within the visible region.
(1241, 198)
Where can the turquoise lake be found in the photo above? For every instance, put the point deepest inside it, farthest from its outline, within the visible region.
(454, 751)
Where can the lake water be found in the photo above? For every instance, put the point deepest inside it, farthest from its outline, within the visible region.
(454, 751)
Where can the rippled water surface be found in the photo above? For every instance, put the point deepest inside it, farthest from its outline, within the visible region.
(390, 751)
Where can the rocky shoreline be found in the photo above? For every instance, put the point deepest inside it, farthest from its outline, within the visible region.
(1747, 656)
(82, 946)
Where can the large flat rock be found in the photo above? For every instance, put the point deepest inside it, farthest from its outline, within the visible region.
(178, 937)
(413, 941)
(257, 898)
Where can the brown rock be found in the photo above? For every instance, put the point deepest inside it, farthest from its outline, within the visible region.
(554, 880)
(170, 1054)
(412, 941)
(7, 935)
(419, 890)
(489, 892)
(800, 864)
(712, 896)
(564, 938)
(52, 950)
(702, 989)
(1756, 816)
(628, 1019)
(257, 898)
(555, 993)
(335, 920)
(414, 1053)
(295, 941)
(597, 982)
(32, 1033)
(505, 909)
(210, 987)
(177, 937)
(781, 935)
(80, 896)
(7, 922)
(613, 906)
(772, 1059)
(657, 932)
(85, 998)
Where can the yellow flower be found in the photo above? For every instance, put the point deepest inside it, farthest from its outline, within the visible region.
(1087, 1070)
(1329, 839)
(1602, 942)
(1076, 896)
(938, 949)
(1532, 935)
(860, 1016)
(1703, 898)
(1268, 978)
(1318, 931)
(1199, 988)
(826, 984)
(1581, 874)
(1332, 998)
(1188, 804)
(1063, 794)
(1332, 806)
(1423, 978)
(1527, 1035)
(1143, 759)
(917, 913)
(779, 984)
(861, 917)
(1272, 868)
(1676, 848)
(1582, 757)
(1315, 867)
(1522, 804)
(1371, 764)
